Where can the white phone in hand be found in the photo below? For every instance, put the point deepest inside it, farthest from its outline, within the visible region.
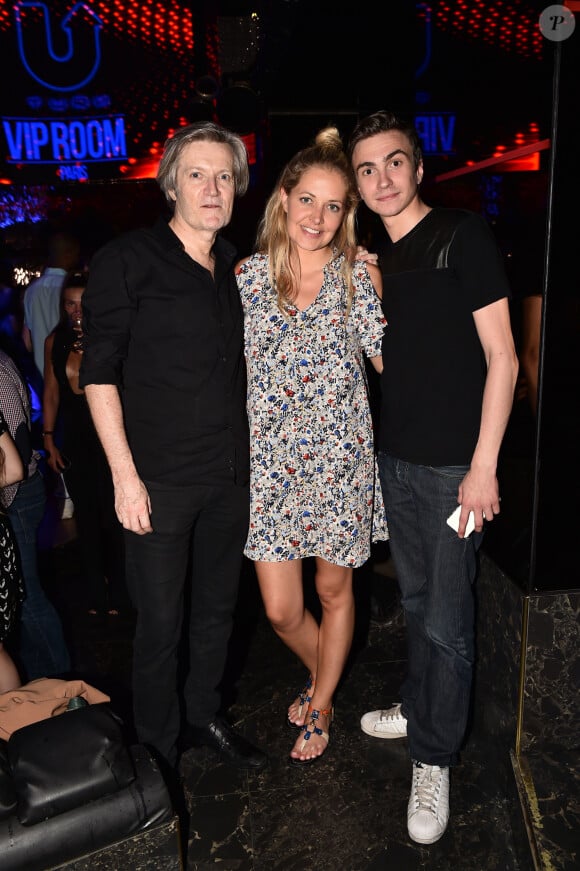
(453, 521)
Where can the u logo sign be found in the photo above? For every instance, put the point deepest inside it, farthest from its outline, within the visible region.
(77, 57)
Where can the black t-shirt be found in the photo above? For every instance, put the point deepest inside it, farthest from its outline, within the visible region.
(434, 278)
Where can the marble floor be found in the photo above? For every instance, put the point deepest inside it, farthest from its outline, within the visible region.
(347, 812)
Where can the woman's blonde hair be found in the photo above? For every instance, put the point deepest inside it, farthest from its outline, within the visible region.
(272, 239)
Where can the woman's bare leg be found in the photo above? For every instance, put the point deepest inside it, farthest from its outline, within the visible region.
(283, 597)
(334, 588)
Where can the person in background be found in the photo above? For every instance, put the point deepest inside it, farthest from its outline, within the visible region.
(41, 648)
(42, 296)
(11, 585)
(447, 390)
(11, 322)
(312, 314)
(10, 316)
(41, 304)
(165, 379)
(80, 458)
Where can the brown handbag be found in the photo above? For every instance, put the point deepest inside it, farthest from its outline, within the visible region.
(41, 699)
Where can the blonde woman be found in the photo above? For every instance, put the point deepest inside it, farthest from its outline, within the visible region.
(311, 315)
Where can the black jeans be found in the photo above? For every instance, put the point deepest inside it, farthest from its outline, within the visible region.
(100, 535)
(198, 538)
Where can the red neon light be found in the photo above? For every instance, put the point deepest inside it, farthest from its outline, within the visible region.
(250, 143)
(507, 156)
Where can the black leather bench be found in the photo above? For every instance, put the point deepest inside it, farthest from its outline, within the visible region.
(60, 801)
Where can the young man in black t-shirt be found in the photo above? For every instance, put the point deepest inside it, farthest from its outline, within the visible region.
(447, 387)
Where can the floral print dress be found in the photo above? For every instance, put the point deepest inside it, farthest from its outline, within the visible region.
(314, 484)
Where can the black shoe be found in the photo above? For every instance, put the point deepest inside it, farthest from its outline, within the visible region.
(234, 748)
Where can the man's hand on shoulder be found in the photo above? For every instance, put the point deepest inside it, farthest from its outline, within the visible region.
(366, 256)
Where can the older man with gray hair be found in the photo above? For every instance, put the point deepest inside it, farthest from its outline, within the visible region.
(165, 379)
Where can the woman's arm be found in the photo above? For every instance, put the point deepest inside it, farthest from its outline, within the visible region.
(376, 278)
(11, 466)
(50, 404)
(377, 282)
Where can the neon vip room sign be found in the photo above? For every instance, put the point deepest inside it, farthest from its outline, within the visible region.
(93, 89)
(87, 95)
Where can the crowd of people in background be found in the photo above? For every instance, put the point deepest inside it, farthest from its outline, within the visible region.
(31, 317)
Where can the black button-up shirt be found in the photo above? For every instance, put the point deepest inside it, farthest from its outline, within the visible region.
(170, 337)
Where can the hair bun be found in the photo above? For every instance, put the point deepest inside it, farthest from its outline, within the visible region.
(329, 137)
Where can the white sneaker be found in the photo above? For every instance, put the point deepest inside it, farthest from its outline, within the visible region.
(385, 724)
(428, 810)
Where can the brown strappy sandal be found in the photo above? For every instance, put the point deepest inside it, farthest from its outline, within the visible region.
(304, 699)
(310, 728)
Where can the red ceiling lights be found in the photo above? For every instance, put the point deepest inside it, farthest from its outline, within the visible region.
(164, 25)
(512, 26)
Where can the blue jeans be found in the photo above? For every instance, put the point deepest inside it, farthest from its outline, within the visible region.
(435, 572)
(42, 649)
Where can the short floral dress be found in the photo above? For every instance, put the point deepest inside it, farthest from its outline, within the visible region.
(314, 484)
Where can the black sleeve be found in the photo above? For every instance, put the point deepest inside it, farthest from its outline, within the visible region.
(479, 263)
